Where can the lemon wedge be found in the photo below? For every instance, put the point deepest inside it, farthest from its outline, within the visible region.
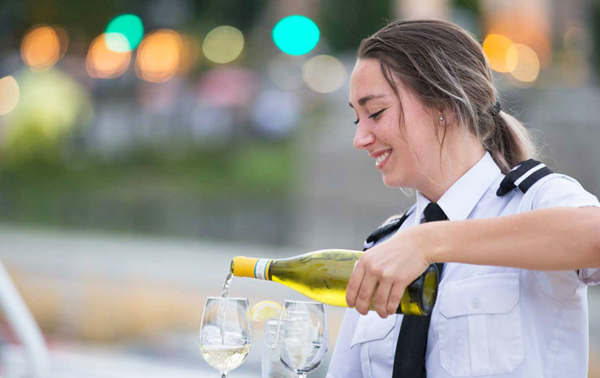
(265, 310)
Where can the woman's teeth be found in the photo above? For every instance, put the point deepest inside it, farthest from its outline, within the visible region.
(382, 157)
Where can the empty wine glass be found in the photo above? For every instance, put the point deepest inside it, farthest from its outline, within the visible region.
(225, 333)
(302, 336)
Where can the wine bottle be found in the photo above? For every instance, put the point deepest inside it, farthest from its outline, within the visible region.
(323, 276)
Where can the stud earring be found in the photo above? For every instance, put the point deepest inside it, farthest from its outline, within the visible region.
(442, 119)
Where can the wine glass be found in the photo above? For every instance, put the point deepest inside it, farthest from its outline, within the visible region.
(225, 333)
(302, 336)
(271, 365)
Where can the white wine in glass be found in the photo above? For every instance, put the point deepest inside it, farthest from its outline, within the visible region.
(225, 333)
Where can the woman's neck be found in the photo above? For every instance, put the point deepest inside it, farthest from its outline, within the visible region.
(457, 158)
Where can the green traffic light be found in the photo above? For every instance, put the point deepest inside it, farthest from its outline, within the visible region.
(129, 26)
(296, 35)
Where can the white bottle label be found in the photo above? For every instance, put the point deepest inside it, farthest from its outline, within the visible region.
(260, 269)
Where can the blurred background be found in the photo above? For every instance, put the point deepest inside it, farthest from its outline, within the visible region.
(143, 144)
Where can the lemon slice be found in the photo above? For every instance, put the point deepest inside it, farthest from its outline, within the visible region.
(265, 310)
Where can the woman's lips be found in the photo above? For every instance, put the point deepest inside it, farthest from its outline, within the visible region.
(382, 159)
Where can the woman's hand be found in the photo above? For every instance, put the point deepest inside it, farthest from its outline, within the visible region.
(388, 268)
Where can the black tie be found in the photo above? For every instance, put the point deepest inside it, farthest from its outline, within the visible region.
(409, 361)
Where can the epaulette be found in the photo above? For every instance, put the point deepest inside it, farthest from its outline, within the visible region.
(388, 227)
(524, 175)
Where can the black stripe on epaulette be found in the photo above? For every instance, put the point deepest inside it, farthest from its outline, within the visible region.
(533, 178)
(508, 183)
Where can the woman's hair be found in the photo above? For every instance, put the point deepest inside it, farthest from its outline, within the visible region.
(446, 68)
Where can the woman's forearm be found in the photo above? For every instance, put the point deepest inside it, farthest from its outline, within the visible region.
(547, 239)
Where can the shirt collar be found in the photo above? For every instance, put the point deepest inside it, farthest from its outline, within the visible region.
(460, 199)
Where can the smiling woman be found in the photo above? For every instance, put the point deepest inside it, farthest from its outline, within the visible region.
(522, 243)
(401, 133)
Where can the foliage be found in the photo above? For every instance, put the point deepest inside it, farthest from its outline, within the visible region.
(469, 5)
(146, 190)
(594, 16)
(347, 22)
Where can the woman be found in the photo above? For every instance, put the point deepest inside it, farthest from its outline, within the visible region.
(519, 250)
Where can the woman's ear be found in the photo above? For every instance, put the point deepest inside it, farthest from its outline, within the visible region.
(446, 117)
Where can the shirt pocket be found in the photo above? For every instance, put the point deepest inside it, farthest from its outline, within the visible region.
(480, 330)
(373, 337)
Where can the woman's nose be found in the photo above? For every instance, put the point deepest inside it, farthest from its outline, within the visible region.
(363, 137)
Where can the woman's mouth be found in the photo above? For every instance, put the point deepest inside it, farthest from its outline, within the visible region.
(382, 159)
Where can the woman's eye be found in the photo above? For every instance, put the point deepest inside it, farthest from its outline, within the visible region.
(375, 115)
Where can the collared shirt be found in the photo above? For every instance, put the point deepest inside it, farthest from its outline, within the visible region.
(488, 321)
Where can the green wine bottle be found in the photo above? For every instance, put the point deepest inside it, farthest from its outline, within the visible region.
(323, 276)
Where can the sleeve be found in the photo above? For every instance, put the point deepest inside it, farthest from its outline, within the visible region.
(345, 362)
(563, 191)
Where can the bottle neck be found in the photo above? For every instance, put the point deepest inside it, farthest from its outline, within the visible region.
(251, 267)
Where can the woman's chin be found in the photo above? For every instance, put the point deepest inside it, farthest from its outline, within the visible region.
(392, 182)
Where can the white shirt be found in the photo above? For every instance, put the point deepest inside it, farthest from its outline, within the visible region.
(488, 321)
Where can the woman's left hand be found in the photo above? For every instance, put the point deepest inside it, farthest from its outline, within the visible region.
(388, 268)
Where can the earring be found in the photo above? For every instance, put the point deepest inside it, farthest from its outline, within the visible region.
(442, 119)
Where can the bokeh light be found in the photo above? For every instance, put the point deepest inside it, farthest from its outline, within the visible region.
(296, 35)
(40, 48)
(525, 22)
(105, 63)
(190, 53)
(496, 48)
(223, 44)
(228, 86)
(128, 25)
(51, 105)
(63, 40)
(524, 63)
(159, 56)
(9, 94)
(285, 71)
(324, 74)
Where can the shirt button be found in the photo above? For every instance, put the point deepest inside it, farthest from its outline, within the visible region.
(475, 303)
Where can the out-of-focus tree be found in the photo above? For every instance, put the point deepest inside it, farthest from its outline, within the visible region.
(347, 22)
(240, 14)
(594, 16)
(468, 5)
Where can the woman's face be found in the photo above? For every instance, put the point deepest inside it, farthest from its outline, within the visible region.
(378, 113)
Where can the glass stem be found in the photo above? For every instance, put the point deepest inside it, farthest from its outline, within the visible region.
(300, 375)
(223, 374)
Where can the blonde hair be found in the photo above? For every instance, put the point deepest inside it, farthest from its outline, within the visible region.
(446, 68)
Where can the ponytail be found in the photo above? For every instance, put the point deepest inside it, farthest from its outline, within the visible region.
(510, 142)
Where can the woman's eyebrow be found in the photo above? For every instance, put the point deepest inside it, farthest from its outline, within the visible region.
(366, 99)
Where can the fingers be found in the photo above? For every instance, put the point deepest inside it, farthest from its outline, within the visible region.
(367, 279)
(374, 275)
(381, 301)
(354, 284)
(395, 297)
(365, 293)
